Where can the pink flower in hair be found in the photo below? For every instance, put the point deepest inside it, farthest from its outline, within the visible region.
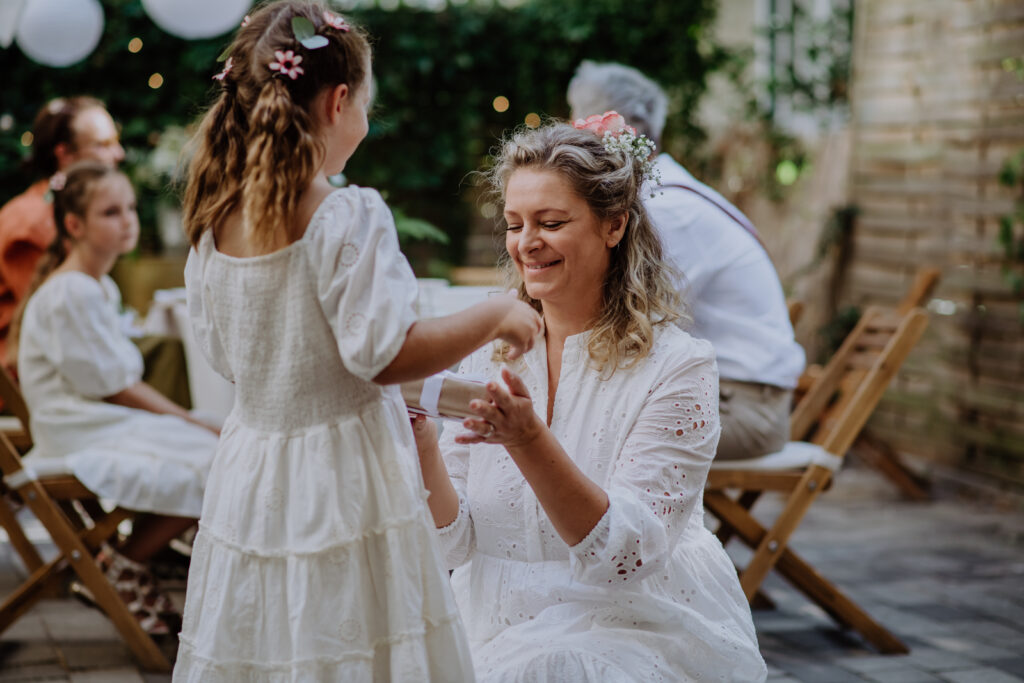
(223, 74)
(608, 122)
(334, 21)
(288, 64)
(57, 181)
(245, 21)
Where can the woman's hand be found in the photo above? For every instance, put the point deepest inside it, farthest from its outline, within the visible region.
(425, 432)
(507, 418)
(519, 326)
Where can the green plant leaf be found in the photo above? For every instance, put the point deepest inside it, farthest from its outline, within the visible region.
(409, 228)
(303, 28)
(223, 56)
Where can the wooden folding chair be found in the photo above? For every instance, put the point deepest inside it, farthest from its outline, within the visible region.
(869, 448)
(77, 525)
(824, 425)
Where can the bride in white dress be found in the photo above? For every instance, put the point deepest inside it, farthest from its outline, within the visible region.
(571, 510)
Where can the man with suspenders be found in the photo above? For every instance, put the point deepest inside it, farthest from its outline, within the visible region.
(729, 283)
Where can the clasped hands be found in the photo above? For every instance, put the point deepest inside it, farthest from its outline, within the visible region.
(506, 417)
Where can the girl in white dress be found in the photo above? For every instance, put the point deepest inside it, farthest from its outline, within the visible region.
(81, 377)
(571, 511)
(315, 558)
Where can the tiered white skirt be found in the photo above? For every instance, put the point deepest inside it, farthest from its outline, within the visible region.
(315, 561)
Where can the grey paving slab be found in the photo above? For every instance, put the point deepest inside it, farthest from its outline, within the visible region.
(981, 675)
(945, 576)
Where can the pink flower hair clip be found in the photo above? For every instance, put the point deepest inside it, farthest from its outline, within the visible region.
(335, 22)
(245, 21)
(57, 181)
(287, 64)
(620, 138)
(223, 74)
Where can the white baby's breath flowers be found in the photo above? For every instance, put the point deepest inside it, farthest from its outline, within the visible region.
(640, 147)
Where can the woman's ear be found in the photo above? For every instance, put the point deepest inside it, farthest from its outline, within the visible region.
(616, 229)
(336, 100)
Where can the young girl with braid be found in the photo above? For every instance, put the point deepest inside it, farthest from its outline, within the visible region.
(81, 377)
(315, 558)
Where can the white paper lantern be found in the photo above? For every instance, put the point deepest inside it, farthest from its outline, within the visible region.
(10, 12)
(193, 19)
(59, 32)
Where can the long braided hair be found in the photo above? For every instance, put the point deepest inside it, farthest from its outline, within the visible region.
(257, 147)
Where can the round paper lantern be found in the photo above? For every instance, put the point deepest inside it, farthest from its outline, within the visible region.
(59, 32)
(193, 19)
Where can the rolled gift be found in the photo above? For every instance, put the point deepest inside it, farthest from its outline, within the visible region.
(444, 395)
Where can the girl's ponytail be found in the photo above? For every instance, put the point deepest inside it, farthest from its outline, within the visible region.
(281, 162)
(258, 147)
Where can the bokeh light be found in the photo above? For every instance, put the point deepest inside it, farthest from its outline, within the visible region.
(134, 45)
(500, 104)
(155, 81)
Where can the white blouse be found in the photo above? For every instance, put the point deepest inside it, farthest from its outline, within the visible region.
(649, 594)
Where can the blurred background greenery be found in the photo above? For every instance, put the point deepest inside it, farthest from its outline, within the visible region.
(449, 84)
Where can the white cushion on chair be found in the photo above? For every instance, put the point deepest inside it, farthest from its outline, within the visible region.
(794, 455)
(9, 423)
(37, 468)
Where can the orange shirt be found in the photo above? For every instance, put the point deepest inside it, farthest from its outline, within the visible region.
(26, 230)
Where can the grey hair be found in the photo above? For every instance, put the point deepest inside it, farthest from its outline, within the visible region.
(600, 87)
(638, 290)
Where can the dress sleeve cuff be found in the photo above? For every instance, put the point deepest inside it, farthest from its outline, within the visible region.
(450, 528)
(597, 537)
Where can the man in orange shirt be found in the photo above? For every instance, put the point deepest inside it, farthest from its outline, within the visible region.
(66, 130)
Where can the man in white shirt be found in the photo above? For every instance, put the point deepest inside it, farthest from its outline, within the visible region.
(730, 285)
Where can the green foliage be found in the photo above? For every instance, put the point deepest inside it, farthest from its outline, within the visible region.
(437, 76)
(816, 74)
(409, 228)
(1011, 239)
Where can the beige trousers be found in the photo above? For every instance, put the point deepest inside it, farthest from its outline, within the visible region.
(755, 419)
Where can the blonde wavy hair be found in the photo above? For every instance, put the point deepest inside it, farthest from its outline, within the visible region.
(639, 291)
(257, 148)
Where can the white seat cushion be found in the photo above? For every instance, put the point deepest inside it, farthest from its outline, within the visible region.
(37, 468)
(9, 423)
(794, 455)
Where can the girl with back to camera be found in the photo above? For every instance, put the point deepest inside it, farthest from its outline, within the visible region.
(315, 558)
(81, 377)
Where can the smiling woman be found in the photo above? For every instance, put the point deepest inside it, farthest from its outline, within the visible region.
(574, 493)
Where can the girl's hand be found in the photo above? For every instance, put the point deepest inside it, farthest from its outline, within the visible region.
(507, 418)
(519, 326)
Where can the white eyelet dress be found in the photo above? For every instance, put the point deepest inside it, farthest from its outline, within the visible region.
(315, 559)
(649, 594)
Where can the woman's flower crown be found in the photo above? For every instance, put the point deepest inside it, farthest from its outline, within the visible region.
(618, 137)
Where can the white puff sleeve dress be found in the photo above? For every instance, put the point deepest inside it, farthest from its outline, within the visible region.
(649, 594)
(316, 558)
(73, 353)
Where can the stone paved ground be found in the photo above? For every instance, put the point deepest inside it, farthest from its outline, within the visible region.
(946, 576)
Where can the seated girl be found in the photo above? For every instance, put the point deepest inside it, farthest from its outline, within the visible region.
(572, 509)
(80, 376)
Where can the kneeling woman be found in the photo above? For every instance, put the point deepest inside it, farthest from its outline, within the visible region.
(575, 498)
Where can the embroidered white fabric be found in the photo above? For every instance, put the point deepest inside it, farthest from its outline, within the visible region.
(315, 559)
(649, 594)
(73, 353)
